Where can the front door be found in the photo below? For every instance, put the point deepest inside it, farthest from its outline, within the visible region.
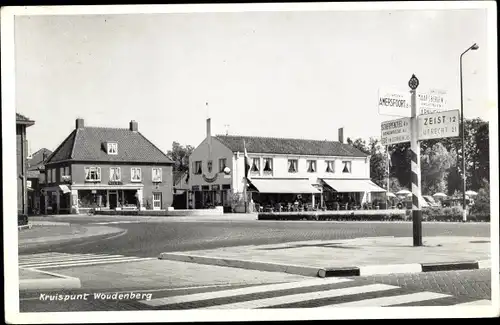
(113, 199)
(157, 201)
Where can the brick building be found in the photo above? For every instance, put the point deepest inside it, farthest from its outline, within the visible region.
(36, 180)
(22, 122)
(107, 169)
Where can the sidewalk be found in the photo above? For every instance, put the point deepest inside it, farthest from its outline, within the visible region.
(354, 257)
(224, 217)
(48, 233)
(34, 280)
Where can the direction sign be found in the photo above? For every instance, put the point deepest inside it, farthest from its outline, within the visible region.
(432, 101)
(395, 131)
(438, 125)
(394, 102)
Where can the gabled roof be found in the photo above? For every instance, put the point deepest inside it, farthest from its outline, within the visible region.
(289, 146)
(21, 119)
(87, 144)
(36, 161)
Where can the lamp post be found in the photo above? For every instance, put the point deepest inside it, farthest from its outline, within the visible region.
(473, 47)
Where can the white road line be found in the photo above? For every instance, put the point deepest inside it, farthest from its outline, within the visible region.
(40, 257)
(476, 303)
(242, 291)
(89, 262)
(296, 298)
(393, 300)
(68, 258)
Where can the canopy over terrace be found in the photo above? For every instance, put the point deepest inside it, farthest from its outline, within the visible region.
(284, 190)
(364, 186)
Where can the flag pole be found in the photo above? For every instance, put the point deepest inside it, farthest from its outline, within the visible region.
(388, 168)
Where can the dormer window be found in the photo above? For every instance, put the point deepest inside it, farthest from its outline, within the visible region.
(112, 148)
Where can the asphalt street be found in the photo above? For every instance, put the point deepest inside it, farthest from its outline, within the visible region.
(422, 289)
(149, 239)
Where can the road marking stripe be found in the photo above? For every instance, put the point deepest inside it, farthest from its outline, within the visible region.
(91, 262)
(241, 291)
(296, 298)
(68, 258)
(476, 303)
(393, 300)
(41, 256)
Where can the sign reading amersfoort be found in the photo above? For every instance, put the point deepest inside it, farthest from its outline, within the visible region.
(395, 131)
(394, 102)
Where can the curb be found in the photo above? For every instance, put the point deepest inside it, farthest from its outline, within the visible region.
(61, 282)
(242, 264)
(324, 272)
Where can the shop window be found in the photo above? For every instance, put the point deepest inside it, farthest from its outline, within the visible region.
(92, 174)
(330, 166)
(135, 174)
(115, 174)
(156, 175)
(197, 168)
(293, 165)
(268, 166)
(347, 167)
(222, 164)
(311, 166)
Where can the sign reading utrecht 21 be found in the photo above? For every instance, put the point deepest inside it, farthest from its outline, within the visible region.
(395, 131)
(432, 101)
(438, 125)
(394, 102)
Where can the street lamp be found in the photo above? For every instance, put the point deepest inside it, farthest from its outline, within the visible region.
(473, 47)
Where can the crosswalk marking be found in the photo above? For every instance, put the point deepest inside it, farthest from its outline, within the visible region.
(476, 303)
(312, 292)
(53, 260)
(295, 298)
(56, 260)
(242, 291)
(393, 300)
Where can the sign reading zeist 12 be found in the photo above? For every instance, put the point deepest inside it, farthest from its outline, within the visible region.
(443, 124)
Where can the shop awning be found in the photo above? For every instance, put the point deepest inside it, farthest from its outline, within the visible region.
(64, 188)
(353, 185)
(287, 186)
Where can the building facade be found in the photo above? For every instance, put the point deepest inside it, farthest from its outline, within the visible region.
(22, 122)
(107, 169)
(36, 180)
(280, 170)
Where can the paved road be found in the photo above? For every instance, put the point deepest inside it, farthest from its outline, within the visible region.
(424, 289)
(152, 238)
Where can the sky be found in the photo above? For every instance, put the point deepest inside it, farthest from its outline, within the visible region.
(286, 74)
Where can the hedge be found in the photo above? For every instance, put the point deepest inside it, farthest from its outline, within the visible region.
(453, 214)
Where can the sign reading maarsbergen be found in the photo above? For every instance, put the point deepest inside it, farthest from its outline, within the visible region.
(394, 102)
(438, 125)
(432, 101)
(395, 131)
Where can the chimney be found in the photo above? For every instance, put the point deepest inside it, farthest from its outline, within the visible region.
(209, 131)
(134, 127)
(80, 123)
(341, 135)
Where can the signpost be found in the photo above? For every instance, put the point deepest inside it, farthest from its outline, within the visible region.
(394, 102)
(432, 102)
(425, 116)
(395, 131)
(438, 125)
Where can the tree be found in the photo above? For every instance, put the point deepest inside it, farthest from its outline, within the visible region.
(435, 163)
(482, 201)
(359, 144)
(378, 163)
(180, 155)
